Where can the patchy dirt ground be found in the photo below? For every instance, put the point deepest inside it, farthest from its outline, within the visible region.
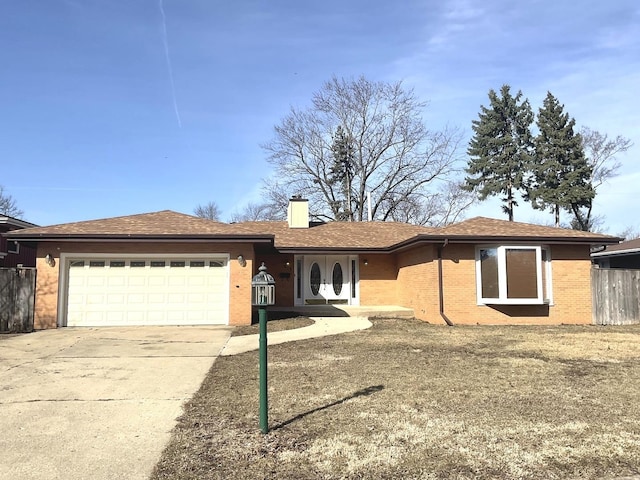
(409, 400)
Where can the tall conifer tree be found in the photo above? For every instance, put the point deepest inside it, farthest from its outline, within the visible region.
(561, 173)
(501, 150)
(342, 172)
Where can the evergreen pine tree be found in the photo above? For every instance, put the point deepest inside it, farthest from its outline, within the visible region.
(501, 150)
(561, 174)
(342, 171)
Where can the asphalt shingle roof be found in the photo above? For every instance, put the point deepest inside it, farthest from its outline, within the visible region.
(163, 223)
(167, 224)
(491, 227)
(339, 235)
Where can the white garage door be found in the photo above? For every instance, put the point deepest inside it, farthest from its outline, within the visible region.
(147, 291)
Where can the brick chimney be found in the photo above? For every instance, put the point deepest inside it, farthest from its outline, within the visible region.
(298, 212)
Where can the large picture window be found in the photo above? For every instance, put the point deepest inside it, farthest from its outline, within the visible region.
(519, 275)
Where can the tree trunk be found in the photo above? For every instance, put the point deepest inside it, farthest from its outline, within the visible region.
(349, 209)
(557, 212)
(510, 204)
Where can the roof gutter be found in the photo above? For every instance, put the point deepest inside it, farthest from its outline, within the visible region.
(441, 285)
(140, 238)
(500, 239)
(613, 253)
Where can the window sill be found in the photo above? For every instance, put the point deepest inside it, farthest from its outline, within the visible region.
(514, 301)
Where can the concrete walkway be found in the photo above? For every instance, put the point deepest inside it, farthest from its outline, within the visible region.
(322, 327)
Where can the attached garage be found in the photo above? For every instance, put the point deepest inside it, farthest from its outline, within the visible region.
(116, 290)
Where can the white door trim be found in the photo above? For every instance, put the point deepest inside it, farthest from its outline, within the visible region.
(351, 277)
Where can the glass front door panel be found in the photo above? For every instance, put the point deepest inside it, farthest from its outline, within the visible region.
(337, 279)
(315, 278)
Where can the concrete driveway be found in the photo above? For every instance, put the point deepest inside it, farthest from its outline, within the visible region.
(98, 403)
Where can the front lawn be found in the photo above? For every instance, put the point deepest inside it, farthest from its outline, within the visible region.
(409, 400)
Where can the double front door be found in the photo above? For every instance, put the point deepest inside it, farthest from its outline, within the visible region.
(328, 279)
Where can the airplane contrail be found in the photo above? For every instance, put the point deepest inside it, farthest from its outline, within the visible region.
(165, 39)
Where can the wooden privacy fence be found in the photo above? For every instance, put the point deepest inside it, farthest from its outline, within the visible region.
(17, 295)
(616, 296)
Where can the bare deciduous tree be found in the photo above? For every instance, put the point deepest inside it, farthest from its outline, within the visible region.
(395, 157)
(209, 211)
(438, 209)
(630, 233)
(601, 152)
(8, 205)
(254, 212)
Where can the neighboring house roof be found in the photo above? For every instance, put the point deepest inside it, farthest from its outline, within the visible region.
(334, 236)
(630, 247)
(8, 223)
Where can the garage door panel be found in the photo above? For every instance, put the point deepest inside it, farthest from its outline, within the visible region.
(136, 293)
(157, 281)
(137, 281)
(134, 298)
(96, 281)
(95, 318)
(177, 281)
(155, 298)
(197, 298)
(176, 298)
(116, 299)
(176, 316)
(115, 318)
(117, 281)
(196, 281)
(75, 299)
(135, 317)
(95, 299)
(216, 296)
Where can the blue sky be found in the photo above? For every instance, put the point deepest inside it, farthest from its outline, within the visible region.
(113, 108)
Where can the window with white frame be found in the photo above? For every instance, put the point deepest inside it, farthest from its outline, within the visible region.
(517, 275)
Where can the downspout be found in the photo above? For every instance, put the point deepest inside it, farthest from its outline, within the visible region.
(440, 284)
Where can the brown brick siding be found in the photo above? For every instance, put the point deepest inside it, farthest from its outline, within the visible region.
(418, 282)
(283, 274)
(378, 280)
(415, 285)
(46, 302)
(570, 282)
(46, 305)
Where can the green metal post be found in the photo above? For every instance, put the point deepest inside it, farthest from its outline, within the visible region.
(264, 402)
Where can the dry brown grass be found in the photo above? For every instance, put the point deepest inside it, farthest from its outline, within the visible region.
(408, 400)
